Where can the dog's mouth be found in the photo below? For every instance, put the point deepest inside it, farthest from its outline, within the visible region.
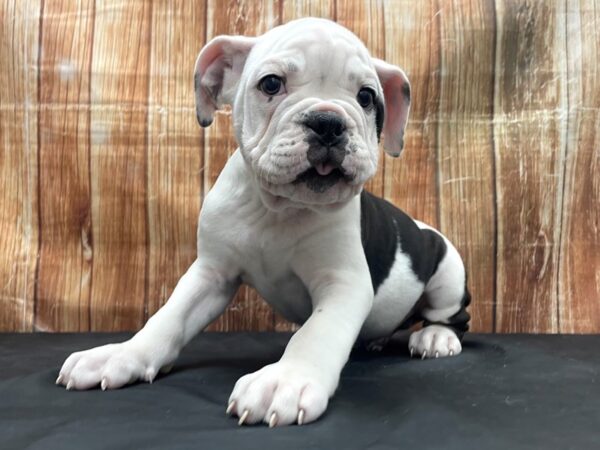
(322, 177)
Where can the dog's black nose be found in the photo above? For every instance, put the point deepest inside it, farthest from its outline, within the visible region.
(328, 126)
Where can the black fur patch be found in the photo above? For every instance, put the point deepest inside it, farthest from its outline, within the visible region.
(382, 227)
(406, 91)
(379, 117)
(196, 82)
(197, 87)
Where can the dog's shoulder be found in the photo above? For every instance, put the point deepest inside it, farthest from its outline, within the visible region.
(385, 229)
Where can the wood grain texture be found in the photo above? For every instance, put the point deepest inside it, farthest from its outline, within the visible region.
(65, 259)
(465, 148)
(412, 42)
(175, 146)
(296, 9)
(529, 136)
(579, 265)
(19, 54)
(118, 164)
(103, 167)
(248, 310)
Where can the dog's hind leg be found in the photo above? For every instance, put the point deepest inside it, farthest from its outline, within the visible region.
(445, 308)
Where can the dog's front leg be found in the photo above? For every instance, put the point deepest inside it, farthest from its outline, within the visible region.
(298, 386)
(199, 297)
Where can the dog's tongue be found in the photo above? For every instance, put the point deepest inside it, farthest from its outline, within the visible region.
(324, 169)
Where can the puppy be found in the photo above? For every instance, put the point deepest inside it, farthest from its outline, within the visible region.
(289, 216)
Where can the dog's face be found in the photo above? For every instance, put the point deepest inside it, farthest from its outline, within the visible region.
(309, 106)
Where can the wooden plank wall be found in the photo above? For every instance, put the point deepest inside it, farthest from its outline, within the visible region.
(103, 167)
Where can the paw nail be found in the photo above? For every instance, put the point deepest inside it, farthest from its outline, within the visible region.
(437, 355)
(243, 417)
(273, 420)
(150, 375)
(424, 355)
(103, 384)
(412, 351)
(69, 385)
(230, 407)
(301, 417)
(451, 353)
(59, 379)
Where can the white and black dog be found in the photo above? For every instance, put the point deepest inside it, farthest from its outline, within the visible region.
(289, 216)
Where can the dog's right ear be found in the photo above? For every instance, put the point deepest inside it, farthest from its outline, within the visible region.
(217, 73)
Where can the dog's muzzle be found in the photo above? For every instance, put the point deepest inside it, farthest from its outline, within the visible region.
(327, 139)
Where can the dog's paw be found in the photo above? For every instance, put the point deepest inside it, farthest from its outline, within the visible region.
(434, 341)
(110, 366)
(278, 394)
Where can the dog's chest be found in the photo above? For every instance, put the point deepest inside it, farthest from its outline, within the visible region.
(271, 275)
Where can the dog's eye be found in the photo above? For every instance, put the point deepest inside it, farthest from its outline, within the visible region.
(365, 97)
(271, 85)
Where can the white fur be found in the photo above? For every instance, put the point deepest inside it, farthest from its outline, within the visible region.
(434, 341)
(301, 250)
(273, 140)
(394, 300)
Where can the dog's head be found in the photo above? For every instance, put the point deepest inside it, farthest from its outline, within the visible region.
(309, 107)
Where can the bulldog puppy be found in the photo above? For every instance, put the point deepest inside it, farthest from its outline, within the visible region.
(289, 216)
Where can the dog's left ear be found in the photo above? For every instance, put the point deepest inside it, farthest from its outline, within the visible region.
(396, 91)
(217, 72)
